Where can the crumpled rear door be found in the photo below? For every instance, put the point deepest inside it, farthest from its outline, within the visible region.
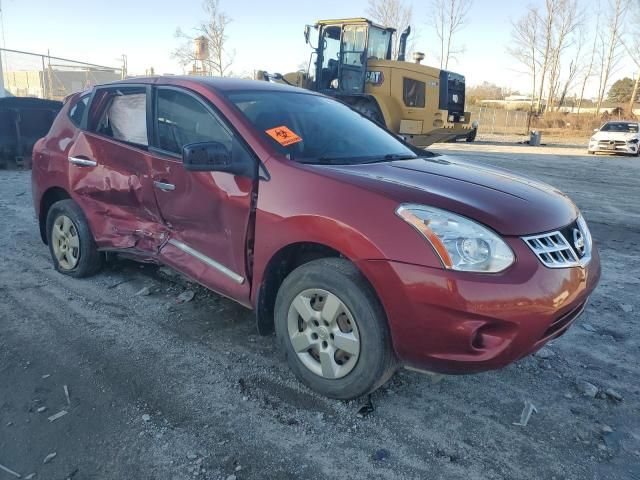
(109, 172)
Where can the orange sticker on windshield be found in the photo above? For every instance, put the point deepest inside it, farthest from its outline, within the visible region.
(283, 135)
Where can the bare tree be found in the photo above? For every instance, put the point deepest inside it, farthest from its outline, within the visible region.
(611, 43)
(574, 65)
(391, 13)
(547, 23)
(524, 46)
(213, 29)
(567, 20)
(447, 18)
(588, 68)
(632, 47)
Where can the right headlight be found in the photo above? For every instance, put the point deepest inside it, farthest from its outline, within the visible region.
(461, 243)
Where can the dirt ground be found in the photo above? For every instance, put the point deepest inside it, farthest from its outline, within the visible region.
(164, 390)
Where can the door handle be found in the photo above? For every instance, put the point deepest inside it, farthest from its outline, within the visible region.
(165, 187)
(82, 162)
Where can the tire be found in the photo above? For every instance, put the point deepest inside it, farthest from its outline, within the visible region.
(471, 136)
(359, 319)
(71, 244)
(370, 109)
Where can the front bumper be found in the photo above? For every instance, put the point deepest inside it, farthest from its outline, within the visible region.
(458, 322)
(614, 147)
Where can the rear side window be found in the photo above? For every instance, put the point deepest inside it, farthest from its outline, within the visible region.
(413, 92)
(120, 113)
(76, 112)
(182, 119)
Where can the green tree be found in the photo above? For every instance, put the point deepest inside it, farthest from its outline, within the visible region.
(620, 91)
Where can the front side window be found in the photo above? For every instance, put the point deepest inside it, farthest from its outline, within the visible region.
(413, 92)
(120, 113)
(378, 43)
(315, 129)
(182, 119)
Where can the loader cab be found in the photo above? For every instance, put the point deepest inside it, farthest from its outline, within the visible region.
(342, 52)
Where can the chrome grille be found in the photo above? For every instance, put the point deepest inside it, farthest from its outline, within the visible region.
(617, 143)
(556, 250)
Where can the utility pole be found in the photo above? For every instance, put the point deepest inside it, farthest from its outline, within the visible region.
(124, 66)
(3, 92)
(634, 95)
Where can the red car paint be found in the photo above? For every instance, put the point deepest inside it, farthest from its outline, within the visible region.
(440, 320)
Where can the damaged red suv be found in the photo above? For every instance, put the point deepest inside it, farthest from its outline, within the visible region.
(361, 252)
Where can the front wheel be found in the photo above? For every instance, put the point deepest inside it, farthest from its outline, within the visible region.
(71, 243)
(471, 136)
(333, 330)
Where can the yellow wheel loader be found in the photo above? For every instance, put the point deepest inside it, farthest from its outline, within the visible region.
(352, 61)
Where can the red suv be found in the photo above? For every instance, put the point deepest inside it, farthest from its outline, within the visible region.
(361, 252)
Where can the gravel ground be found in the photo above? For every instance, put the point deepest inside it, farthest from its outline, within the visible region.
(165, 390)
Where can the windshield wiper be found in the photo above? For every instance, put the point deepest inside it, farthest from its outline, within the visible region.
(391, 157)
(357, 160)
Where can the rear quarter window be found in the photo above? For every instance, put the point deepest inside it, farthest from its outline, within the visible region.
(76, 112)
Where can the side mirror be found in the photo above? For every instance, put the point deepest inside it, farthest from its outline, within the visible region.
(216, 157)
(595, 130)
(307, 33)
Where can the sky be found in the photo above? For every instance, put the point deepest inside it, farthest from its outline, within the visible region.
(265, 35)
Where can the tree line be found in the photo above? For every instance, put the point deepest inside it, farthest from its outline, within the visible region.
(565, 44)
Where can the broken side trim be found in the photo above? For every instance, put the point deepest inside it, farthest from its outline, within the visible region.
(209, 261)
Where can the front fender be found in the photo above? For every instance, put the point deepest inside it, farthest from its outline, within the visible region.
(313, 204)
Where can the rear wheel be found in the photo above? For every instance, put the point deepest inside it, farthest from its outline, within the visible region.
(333, 329)
(71, 243)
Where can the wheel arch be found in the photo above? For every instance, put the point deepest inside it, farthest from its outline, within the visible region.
(51, 196)
(283, 262)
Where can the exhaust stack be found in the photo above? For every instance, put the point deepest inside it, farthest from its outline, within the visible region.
(402, 47)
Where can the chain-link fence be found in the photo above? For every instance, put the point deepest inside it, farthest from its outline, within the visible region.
(500, 121)
(29, 74)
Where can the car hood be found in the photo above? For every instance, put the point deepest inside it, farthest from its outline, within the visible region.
(626, 136)
(508, 203)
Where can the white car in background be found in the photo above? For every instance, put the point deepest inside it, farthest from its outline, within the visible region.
(616, 137)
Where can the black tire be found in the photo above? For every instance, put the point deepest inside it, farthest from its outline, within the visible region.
(376, 361)
(370, 109)
(471, 136)
(89, 260)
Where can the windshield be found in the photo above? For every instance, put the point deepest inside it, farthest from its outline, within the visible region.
(315, 129)
(620, 127)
